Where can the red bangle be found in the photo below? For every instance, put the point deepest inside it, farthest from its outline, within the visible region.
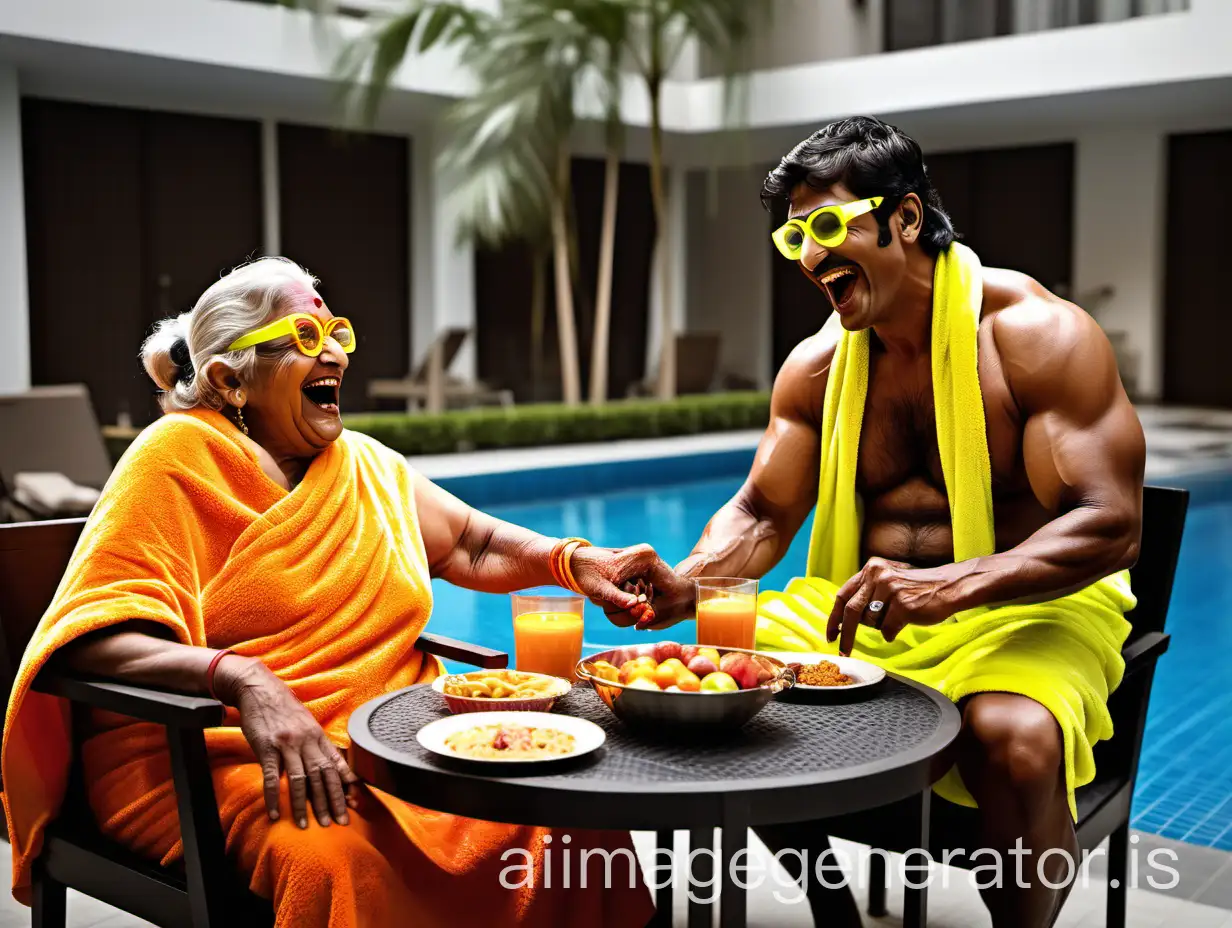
(209, 671)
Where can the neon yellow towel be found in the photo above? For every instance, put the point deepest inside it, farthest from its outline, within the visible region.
(1064, 654)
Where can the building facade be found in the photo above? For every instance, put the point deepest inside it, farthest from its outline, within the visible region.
(148, 145)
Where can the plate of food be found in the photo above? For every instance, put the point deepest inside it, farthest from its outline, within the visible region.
(816, 672)
(511, 690)
(511, 737)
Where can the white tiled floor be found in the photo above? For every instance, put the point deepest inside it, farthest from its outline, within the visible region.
(953, 905)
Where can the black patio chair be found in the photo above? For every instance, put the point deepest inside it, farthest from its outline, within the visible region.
(203, 889)
(1103, 805)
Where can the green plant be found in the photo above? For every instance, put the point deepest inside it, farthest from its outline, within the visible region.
(552, 424)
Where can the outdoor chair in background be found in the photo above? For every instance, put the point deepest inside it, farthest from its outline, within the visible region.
(431, 386)
(697, 365)
(202, 889)
(48, 431)
(1104, 805)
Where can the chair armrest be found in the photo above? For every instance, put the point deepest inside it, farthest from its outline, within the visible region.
(176, 710)
(454, 650)
(1145, 651)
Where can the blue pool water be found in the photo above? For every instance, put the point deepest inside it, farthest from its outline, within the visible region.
(1185, 780)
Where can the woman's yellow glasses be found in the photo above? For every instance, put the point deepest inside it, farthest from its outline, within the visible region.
(305, 330)
(826, 226)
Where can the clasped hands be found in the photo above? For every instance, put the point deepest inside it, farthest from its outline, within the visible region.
(886, 595)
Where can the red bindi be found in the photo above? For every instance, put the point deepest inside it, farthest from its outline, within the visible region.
(316, 301)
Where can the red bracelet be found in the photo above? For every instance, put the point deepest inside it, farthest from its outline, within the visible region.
(209, 671)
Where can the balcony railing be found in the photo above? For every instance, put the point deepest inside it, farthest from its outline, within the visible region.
(917, 23)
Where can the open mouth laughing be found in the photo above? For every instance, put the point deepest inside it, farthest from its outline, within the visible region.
(323, 393)
(840, 284)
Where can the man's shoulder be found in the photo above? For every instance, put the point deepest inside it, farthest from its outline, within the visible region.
(1025, 318)
(800, 385)
(1042, 341)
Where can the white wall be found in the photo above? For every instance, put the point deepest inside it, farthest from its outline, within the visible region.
(14, 297)
(729, 268)
(1119, 202)
(790, 32)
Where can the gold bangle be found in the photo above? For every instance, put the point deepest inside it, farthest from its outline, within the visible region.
(567, 558)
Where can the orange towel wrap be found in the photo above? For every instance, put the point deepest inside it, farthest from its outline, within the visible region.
(328, 585)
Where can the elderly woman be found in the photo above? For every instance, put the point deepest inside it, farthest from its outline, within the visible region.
(249, 547)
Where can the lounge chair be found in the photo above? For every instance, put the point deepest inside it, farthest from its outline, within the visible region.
(49, 430)
(431, 386)
(697, 365)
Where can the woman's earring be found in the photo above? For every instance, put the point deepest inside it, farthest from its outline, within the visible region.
(239, 420)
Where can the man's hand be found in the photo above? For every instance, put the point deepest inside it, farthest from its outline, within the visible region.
(908, 596)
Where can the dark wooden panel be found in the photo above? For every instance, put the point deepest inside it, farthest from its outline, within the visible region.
(950, 174)
(83, 224)
(202, 212)
(345, 203)
(503, 285)
(1022, 208)
(1199, 324)
(799, 308)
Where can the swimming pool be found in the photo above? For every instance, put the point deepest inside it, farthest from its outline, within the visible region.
(1185, 780)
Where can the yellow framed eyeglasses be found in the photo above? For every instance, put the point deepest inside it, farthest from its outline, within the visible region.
(826, 226)
(305, 330)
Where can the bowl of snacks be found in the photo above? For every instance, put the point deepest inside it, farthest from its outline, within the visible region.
(669, 688)
(511, 690)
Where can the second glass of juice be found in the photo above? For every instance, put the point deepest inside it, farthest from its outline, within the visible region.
(547, 633)
(726, 612)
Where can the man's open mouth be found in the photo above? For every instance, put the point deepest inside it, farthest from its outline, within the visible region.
(840, 283)
(323, 392)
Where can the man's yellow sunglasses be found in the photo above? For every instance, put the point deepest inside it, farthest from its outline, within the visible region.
(305, 330)
(826, 226)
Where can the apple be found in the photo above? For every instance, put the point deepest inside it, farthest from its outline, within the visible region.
(688, 652)
(646, 650)
(643, 683)
(746, 671)
(667, 650)
(688, 682)
(712, 653)
(719, 682)
(702, 665)
(672, 689)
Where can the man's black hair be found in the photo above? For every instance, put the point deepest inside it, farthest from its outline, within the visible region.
(870, 158)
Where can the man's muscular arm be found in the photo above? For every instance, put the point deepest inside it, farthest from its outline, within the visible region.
(753, 530)
(1084, 454)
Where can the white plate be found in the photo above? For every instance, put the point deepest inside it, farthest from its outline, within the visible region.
(587, 736)
(862, 672)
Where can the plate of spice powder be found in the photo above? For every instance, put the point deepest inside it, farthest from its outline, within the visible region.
(829, 672)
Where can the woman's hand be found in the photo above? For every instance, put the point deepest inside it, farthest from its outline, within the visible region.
(608, 577)
(284, 736)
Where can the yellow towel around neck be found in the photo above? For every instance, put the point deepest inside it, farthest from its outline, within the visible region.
(1064, 654)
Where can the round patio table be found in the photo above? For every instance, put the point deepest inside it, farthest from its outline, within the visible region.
(793, 762)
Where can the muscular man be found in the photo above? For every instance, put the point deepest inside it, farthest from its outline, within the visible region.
(1064, 445)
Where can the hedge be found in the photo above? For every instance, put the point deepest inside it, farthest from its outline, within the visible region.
(550, 424)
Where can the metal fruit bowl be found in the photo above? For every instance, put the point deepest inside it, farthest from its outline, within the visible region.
(675, 714)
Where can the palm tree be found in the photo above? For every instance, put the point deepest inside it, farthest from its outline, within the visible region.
(663, 27)
(509, 151)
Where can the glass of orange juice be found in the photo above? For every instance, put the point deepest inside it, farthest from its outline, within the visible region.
(547, 632)
(726, 612)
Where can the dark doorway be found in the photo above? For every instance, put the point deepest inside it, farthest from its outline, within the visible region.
(504, 281)
(130, 215)
(798, 306)
(1199, 326)
(344, 205)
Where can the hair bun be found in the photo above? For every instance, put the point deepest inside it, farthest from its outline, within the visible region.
(182, 360)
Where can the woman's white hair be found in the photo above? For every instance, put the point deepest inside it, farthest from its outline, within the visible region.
(178, 351)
